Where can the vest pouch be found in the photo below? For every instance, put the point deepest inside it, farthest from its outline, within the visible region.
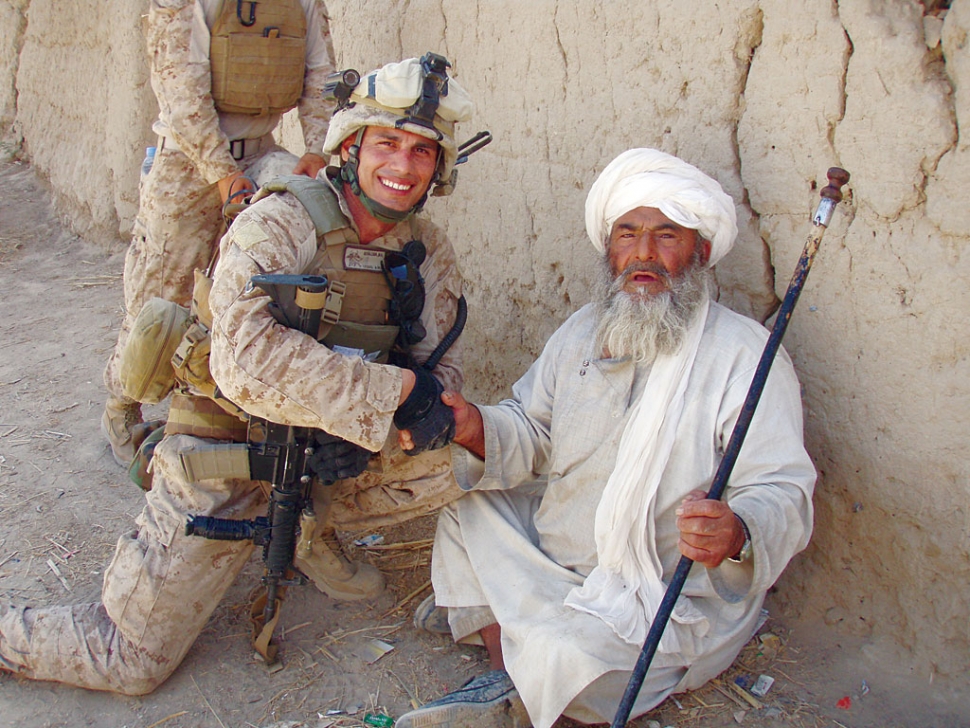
(190, 359)
(190, 364)
(254, 74)
(145, 370)
(201, 289)
(371, 342)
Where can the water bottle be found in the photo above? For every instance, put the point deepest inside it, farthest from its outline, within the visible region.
(146, 165)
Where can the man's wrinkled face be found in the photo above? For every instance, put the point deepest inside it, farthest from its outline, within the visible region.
(655, 278)
(647, 249)
(396, 166)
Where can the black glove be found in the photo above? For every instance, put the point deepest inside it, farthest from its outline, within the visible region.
(334, 458)
(429, 420)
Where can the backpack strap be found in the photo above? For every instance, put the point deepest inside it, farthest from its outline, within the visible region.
(317, 198)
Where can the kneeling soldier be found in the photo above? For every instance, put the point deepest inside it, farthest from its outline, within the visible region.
(394, 294)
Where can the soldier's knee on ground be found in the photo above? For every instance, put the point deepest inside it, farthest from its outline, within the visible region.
(147, 683)
(77, 645)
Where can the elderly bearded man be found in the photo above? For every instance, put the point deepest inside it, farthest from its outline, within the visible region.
(588, 484)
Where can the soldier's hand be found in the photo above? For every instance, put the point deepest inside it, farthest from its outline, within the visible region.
(469, 428)
(310, 164)
(429, 423)
(233, 184)
(334, 458)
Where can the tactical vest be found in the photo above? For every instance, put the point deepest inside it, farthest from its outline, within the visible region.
(258, 66)
(354, 272)
(354, 321)
(355, 318)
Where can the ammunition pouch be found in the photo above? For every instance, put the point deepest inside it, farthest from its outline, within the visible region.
(250, 461)
(218, 460)
(257, 54)
(205, 418)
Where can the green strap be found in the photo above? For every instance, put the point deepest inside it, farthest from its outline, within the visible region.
(318, 199)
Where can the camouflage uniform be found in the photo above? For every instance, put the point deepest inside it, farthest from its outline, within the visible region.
(180, 213)
(152, 608)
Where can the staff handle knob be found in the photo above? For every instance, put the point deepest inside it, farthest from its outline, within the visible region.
(837, 178)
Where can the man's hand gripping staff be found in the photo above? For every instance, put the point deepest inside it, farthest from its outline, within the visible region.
(288, 457)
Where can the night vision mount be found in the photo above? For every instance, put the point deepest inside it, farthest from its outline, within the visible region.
(340, 86)
(434, 86)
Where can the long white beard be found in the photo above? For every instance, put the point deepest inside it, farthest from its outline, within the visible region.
(644, 326)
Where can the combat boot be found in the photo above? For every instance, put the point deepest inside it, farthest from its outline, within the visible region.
(334, 574)
(119, 419)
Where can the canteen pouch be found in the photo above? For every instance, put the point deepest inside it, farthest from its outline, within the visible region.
(146, 371)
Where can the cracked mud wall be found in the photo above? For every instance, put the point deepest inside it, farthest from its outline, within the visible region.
(12, 24)
(877, 338)
(765, 95)
(83, 105)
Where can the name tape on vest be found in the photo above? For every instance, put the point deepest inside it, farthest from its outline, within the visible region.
(356, 258)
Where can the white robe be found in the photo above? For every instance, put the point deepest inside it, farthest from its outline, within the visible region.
(518, 552)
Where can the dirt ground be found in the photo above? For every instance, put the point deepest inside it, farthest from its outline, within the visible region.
(63, 502)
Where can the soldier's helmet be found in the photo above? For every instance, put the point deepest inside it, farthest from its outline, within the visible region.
(415, 95)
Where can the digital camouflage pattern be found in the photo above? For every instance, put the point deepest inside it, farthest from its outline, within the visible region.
(265, 370)
(179, 219)
(152, 608)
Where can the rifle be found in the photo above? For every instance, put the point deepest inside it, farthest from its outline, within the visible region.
(279, 454)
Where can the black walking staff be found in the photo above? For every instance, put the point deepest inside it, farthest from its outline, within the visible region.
(831, 196)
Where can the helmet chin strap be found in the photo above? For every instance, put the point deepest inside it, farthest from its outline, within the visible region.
(348, 174)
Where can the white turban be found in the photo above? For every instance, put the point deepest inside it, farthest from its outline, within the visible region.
(651, 178)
